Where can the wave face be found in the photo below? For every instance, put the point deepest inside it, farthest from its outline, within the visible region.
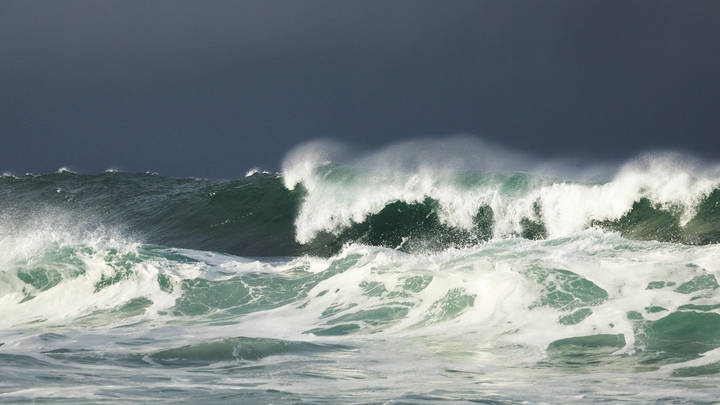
(252, 216)
(390, 276)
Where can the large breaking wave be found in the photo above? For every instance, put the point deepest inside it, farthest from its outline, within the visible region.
(461, 195)
(466, 255)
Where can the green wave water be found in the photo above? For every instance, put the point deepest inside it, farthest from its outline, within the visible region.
(257, 216)
(349, 287)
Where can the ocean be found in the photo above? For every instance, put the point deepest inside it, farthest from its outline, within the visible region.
(334, 282)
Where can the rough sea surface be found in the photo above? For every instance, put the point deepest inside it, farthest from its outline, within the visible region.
(359, 283)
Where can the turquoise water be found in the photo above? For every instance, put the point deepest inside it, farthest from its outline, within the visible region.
(349, 287)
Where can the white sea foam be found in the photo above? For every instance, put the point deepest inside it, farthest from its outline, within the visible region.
(506, 304)
(479, 308)
(65, 170)
(255, 170)
(42, 244)
(412, 171)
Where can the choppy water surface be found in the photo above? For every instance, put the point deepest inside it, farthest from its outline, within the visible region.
(328, 283)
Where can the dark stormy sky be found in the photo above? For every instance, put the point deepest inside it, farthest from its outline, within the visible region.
(212, 88)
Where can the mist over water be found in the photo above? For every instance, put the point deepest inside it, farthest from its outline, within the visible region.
(428, 271)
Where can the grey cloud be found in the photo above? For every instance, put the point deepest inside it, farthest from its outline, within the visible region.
(213, 88)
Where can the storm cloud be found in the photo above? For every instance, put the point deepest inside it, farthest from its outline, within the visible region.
(210, 89)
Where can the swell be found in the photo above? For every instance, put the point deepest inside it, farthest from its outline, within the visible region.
(259, 216)
(251, 216)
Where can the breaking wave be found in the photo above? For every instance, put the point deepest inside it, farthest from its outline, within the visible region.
(468, 254)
